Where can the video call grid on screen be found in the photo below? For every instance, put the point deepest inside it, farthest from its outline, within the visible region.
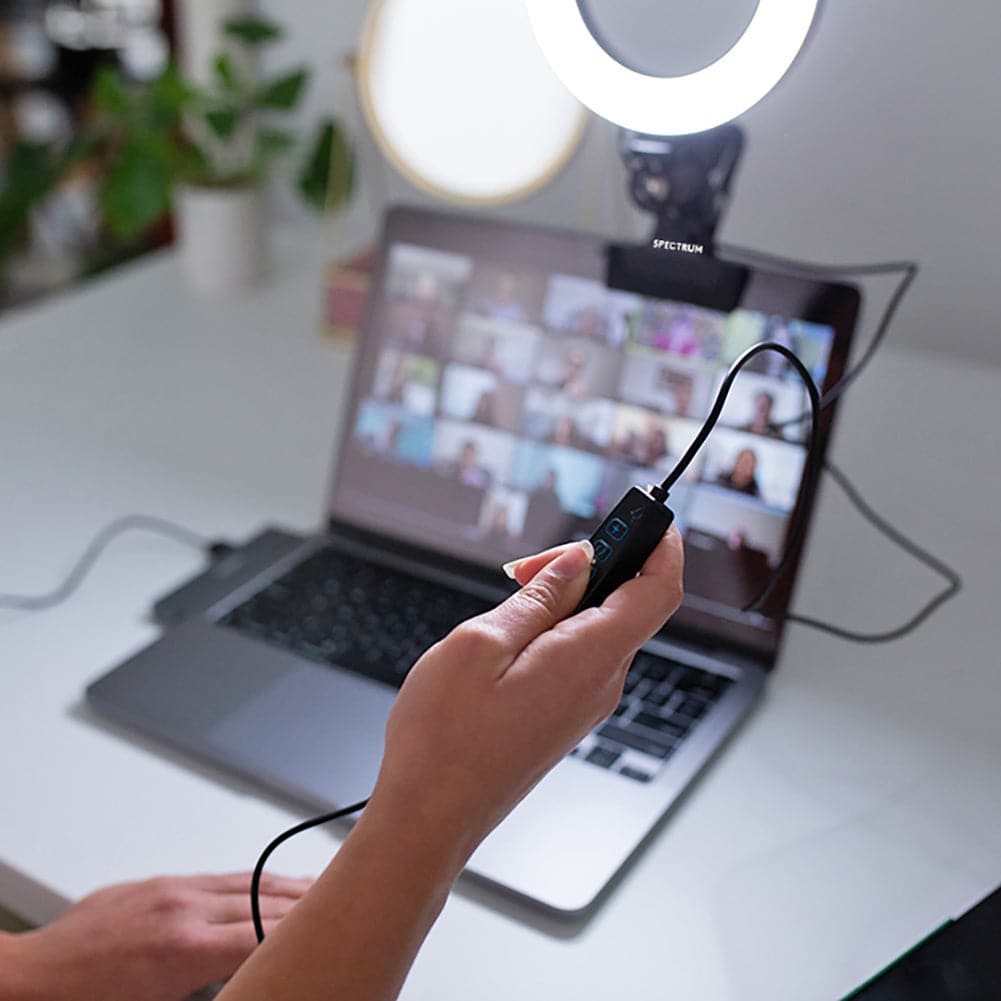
(509, 410)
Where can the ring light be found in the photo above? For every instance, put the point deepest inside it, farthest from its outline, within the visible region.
(675, 105)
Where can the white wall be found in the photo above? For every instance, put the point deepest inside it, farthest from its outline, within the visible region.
(882, 142)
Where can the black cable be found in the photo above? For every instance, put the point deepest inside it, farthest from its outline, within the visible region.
(907, 269)
(851, 492)
(861, 505)
(817, 404)
(100, 542)
(669, 481)
(812, 462)
(909, 546)
(306, 825)
(795, 536)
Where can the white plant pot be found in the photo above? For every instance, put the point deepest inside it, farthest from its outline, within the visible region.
(223, 237)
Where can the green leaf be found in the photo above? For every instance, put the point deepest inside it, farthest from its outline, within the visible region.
(109, 92)
(274, 142)
(159, 108)
(327, 178)
(225, 72)
(283, 94)
(252, 30)
(223, 121)
(192, 164)
(32, 173)
(171, 92)
(136, 191)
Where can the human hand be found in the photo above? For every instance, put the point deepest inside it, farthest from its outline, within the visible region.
(485, 713)
(159, 940)
(478, 721)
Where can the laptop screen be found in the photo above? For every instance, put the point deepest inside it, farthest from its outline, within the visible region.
(506, 397)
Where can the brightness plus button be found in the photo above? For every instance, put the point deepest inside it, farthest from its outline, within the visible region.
(617, 529)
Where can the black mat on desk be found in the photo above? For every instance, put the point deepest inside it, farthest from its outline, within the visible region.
(961, 961)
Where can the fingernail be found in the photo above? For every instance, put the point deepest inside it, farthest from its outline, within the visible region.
(571, 564)
(510, 568)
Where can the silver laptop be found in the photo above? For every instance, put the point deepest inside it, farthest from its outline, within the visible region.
(511, 383)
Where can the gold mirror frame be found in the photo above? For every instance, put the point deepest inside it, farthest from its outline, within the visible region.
(399, 159)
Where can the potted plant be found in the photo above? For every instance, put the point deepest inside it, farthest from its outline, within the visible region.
(213, 146)
(205, 151)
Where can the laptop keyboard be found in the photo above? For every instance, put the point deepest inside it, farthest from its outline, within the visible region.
(341, 610)
(662, 703)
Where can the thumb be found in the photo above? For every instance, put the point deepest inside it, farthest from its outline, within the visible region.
(549, 597)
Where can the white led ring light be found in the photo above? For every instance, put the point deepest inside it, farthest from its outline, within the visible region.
(676, 105)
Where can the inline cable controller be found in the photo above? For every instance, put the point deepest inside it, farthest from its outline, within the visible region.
(624, 541)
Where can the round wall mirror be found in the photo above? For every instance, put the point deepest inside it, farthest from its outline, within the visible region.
(462, 101)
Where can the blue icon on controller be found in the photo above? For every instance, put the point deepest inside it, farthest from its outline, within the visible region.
(602, 550)
(617, 529)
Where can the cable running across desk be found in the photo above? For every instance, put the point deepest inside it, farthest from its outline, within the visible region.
(953, 586)
(95, 549)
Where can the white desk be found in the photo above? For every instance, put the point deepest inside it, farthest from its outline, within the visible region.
(859, 807)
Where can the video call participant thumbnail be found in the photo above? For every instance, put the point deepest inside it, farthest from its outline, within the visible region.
(394, 432)
(755, 466)
(732, 545)
(475, 394)
(423, 289)
(506, 350)
(580, 307)
(550, 415)
(663, 382)
(681, 329)
(809, 341)
(407, 380)
(578, 367)
(502, 294)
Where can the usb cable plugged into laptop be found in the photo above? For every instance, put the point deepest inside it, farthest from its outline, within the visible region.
(215, 549)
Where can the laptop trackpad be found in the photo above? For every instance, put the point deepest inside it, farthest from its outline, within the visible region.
(314, 733)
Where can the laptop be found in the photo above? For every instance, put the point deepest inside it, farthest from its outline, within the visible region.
(511, 382)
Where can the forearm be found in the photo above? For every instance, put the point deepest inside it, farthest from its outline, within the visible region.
(8, 967)
(15, 975)
(354, 936)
